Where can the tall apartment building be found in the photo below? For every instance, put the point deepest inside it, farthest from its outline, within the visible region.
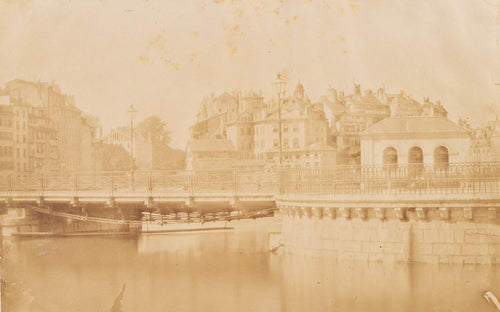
(43, 149)
(28, 141)
(250, 123)
(50, 133)
(6, 137)
(304, 133)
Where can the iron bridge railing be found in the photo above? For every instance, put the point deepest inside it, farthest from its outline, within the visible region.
(463, 178)
(180, 182)
(418, 179)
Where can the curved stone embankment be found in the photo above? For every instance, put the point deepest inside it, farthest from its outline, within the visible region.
(435, 231)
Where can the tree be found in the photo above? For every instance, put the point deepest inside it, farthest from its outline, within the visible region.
(164, 157)
(115, 157)
(155, 128)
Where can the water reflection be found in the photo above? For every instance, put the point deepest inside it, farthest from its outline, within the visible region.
(353, 286)
(224, 271)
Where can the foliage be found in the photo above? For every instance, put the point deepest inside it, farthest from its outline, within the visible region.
(114, 157)
(155, 128)
(164, 157)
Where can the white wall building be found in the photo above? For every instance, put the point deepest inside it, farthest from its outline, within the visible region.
(423, 139)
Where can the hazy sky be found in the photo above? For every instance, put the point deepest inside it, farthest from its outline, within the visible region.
(164, 56)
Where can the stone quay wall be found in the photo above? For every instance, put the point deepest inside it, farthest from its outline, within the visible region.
(457, 231)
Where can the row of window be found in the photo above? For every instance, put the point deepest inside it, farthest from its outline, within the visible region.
(5, 122)
(286, 143)
(20, 125)
(5, 135)
(285, 128)
(5, 150)
(23, 113)
(6, 165)
(19, 152)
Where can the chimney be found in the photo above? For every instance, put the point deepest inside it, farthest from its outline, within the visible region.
(380, 93)
(394, 105)
(332, 94)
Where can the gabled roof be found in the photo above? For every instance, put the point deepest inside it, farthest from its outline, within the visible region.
(334, 107)
(224, 97)
(416, 125)
(210, 145)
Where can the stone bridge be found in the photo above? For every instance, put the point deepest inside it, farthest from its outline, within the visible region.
(405, 213)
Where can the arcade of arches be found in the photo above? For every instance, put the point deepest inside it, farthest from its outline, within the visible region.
(416, 156)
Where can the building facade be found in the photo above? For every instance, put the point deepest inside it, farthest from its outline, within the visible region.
(251, 124)
(350, 115)
(50, 134)
(485, 141)
(415, 140)
(7, 148)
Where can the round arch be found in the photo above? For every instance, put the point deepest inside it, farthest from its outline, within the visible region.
(441, 157)
(415, 155)
(415, 161)
(390, 156)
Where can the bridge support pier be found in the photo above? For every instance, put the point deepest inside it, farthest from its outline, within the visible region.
(150, 203)
(235, 203)
(190, 202)
(75, 202)
(40, 202)
(110, 202)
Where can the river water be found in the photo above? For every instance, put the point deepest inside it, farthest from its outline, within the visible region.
(224, 271)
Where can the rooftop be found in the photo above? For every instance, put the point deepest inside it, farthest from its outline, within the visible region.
(415, 125)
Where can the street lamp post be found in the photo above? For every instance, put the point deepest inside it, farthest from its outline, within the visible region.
(279, 85)
(132, 112)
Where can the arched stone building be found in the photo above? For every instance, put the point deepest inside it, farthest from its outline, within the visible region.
(415, 140)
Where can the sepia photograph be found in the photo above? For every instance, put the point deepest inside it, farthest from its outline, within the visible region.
(249, 155)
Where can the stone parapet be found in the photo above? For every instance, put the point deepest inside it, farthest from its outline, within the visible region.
(443, 231)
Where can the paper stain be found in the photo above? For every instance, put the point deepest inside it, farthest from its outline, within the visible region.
(239, 23)
(117, 304)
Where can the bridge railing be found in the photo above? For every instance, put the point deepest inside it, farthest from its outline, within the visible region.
(180, 182)
(463, 178)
